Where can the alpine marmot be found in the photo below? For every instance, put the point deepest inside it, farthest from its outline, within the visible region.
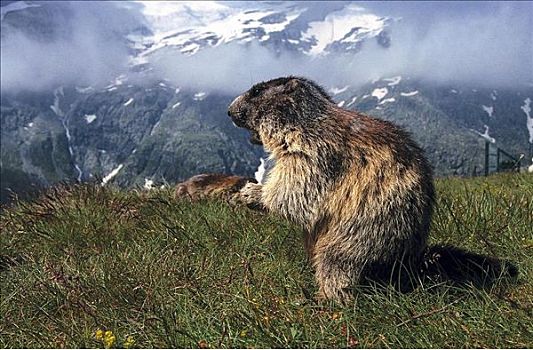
(360, 187)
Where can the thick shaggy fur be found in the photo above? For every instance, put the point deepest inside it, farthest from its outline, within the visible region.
(360, 187)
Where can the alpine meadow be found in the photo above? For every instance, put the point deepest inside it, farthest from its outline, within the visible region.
(171, 274)
(268, 174)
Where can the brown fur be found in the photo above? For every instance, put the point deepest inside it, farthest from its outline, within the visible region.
(359, 186)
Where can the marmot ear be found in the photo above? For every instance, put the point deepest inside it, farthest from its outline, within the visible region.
(292, 85)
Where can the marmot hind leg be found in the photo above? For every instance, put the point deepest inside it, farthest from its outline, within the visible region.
(213, 186)
(335, 274)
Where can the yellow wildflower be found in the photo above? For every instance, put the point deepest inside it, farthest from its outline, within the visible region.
(336, 316)
(243, 333)
(99, 335)
(109, 339)
(129, 342)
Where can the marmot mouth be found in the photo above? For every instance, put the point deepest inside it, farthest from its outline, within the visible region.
(254, 138)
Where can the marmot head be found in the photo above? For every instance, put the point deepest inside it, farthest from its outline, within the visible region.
(276, 107)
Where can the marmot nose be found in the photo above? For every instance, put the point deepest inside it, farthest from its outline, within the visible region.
(229, 113)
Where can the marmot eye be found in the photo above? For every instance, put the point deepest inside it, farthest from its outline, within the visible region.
(255, 91)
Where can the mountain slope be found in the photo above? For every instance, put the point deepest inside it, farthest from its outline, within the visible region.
(150, 133)
(451, 123)
(149, 105)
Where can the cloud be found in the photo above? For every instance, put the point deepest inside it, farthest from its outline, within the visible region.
(64, 44)
(477, 43)
(488, 44)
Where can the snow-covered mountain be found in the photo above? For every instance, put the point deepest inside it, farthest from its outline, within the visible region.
(190, 27)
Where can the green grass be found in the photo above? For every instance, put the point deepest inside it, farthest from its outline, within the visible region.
(175, 274)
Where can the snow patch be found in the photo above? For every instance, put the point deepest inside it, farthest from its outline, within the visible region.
(30, 125)
(111, 175)
(84, 90)
(263, 169)
(148, 184)
(527, 110)
(335, 90)
(128, 102)
(486, 135)
(199, 96)
(209, 21)
(488, 109)
(55, 106)
(453, 91)
(340, 25)
(89, 118)
(493, 95)
(120, 79)
(380, 93)
(408, 94)
(352, 101)
(387, 100)
(340, 104)
(176, 105)
(155, 127)
(56, 110)
(394, 80)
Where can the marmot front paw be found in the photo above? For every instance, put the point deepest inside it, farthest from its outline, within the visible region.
(250, 195)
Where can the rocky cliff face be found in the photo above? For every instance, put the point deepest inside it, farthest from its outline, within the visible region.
(132, 135)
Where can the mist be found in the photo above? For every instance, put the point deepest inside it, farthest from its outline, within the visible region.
(79, 44)
(482, 44)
